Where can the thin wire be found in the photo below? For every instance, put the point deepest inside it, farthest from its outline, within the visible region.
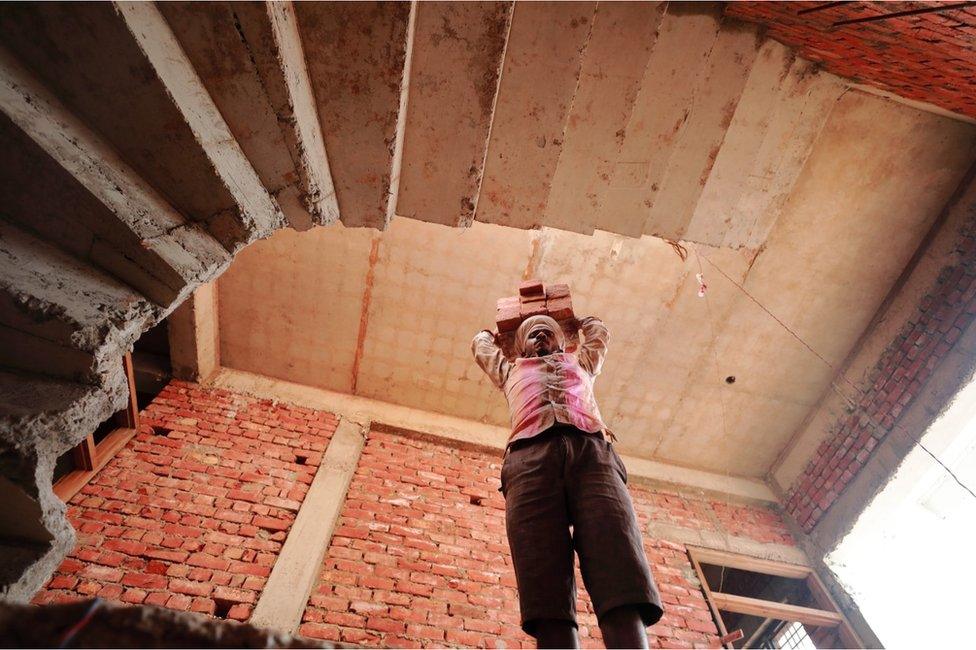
(718, 373)
(836, 372)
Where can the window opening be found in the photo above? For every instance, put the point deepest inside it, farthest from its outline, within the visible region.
(759, 603)
(793, 636)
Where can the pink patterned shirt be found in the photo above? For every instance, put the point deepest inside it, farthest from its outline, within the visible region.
(542, 391)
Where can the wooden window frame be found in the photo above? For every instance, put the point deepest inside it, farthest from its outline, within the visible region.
(827, 614)
(89, 457)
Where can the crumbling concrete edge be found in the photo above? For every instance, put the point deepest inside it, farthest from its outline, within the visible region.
(31, 445)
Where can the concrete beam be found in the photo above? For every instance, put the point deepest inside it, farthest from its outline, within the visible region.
(546, 46)
(356, 53)
(456, 430)
(296, 106)
(609, 84)
(716, 95)
(722, 541)
(250, 58)
(455, 68)
(132, 231)
(296, 570)
(194, 335)
(685, 38)
(257, 213)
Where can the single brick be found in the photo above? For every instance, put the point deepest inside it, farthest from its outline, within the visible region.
(532, 308)
(560, 308)
(531, 288)
(557, 291)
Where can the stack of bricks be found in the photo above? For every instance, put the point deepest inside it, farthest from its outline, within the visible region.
(928, 57)
(192, 513)
(420, 556)
(534, 299)
(897, 379)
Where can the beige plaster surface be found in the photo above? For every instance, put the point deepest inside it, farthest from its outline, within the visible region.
(291, 307)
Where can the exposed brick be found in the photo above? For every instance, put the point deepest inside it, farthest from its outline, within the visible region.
(937, 68)
(898, 377)
(168, 521)
(409, 572)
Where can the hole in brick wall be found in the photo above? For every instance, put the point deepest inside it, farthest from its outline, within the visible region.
(222, 607)
(300, 459)
(730, 379)
(475, 501)
(161, 431)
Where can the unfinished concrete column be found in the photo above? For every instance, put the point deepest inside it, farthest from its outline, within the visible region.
(284, 598)
(194, 335)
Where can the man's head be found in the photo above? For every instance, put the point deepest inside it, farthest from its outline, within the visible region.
(538, 336)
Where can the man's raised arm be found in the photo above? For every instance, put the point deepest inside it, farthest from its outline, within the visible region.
(593, 350)
(490, 357)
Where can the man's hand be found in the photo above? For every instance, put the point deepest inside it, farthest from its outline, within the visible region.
(495, 336)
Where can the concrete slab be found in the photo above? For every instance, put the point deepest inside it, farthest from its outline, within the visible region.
(286, 593)
(87, 54)
(685, 37)
(546, 46)
(356, 53)
(257, 213)
(609, 84)
(715, 99)
(118, 221)
(457, 58)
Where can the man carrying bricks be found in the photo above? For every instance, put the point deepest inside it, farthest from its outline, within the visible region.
(565, 488)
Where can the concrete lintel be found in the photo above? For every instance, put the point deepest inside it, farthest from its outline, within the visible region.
(194, 341)
(286, 593)
(729, 543)
(258, 212)
(457, 430)
(914, 103)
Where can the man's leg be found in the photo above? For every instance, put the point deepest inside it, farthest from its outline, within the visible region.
(622, 627)
(537, 524)
(559, 633)
(610, 545)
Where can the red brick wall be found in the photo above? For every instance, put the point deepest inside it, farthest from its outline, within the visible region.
(928, 57)
(193, 518)
(420, 556)
(893, 384)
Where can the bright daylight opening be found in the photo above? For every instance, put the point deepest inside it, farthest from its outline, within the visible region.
(908, 561)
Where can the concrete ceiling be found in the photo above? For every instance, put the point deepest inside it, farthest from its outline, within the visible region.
(613, 127)
(621, 126)
(389, 315)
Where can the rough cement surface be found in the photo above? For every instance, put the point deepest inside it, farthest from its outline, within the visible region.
(116, 626)
(40, 419)
(164, 248)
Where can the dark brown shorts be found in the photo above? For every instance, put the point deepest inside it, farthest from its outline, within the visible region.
(566, 478)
